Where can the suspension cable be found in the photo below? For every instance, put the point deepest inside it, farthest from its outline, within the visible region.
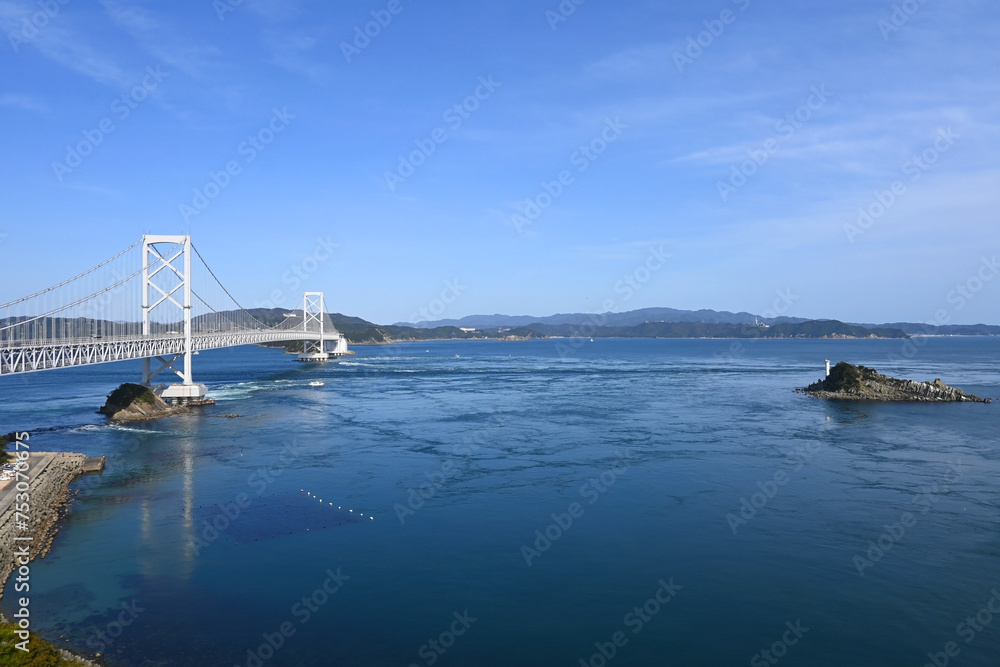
(66, 282)
(219, 282)
(197, 296)
(75, 303)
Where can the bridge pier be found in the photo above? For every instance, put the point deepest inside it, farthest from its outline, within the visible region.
(185, 394)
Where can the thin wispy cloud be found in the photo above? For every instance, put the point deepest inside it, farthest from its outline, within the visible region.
(295, 51)
(66, 39)
(22, 102)
(159, 36)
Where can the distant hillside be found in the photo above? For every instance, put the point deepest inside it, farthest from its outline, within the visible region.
(947, 330)
(626, 319)
(360, 331)
(635, 318)
(807, 329)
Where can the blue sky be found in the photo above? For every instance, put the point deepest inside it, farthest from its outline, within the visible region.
(739, 137)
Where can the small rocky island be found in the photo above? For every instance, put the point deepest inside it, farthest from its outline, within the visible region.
(859, 383)
(133, 402)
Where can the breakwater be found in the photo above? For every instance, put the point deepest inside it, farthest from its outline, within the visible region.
(48, 495)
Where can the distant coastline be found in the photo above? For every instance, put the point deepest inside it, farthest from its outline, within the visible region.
(361, 332)
(596, 337)
(663, 323)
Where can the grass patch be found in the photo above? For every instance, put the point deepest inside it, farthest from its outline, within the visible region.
(40, 652)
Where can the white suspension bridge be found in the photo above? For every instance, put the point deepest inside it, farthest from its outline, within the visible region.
(158, 301)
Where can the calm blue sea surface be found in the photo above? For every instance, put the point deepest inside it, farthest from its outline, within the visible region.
(619, 502)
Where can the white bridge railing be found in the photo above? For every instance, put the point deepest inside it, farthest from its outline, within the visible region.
(31, 357)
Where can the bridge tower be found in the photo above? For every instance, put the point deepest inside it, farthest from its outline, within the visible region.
(313, 321)
(166, 281)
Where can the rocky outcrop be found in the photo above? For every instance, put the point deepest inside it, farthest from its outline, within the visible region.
(133, 402)
(860, 383)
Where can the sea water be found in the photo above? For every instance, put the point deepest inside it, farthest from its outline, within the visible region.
(556, 502)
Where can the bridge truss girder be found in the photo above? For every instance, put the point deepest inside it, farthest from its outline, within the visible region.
(83, 352)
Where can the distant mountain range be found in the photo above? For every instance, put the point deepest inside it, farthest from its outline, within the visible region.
(643, 316)
(626, 319)
(805, 329)
(358, 330)
(913, 328)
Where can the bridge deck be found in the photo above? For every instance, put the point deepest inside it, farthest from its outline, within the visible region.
(35, 356)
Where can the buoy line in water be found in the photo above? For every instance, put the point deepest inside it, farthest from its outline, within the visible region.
(314, 496)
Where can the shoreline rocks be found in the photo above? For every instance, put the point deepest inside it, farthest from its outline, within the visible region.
(848, 382)
(49, 475)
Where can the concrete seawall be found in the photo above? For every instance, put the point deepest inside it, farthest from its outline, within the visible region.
(50, 475)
